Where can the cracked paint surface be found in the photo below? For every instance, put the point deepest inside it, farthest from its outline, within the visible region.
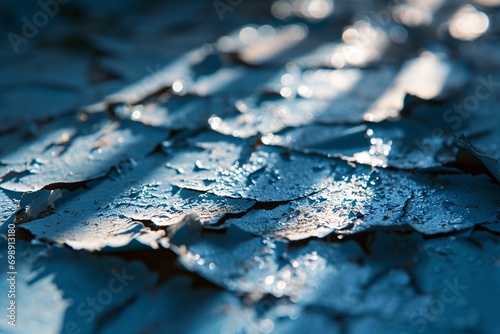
(259, 167)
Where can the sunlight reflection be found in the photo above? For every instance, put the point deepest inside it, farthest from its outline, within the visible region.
(330, 84)
(434, 71)
(377, 155)
(309, 9)
(178, 86)
(266, 42)
(362, 44)
(468, 24)
(416, 13)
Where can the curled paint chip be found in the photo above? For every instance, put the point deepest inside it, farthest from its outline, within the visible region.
(111, 213)
(87, 156)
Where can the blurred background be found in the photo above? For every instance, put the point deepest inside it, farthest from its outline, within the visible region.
(251, 166)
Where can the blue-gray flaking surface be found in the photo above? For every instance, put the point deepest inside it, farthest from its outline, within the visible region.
(238, 171)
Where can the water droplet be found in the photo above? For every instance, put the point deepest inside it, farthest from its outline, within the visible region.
(269, 280)
(136, 114)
